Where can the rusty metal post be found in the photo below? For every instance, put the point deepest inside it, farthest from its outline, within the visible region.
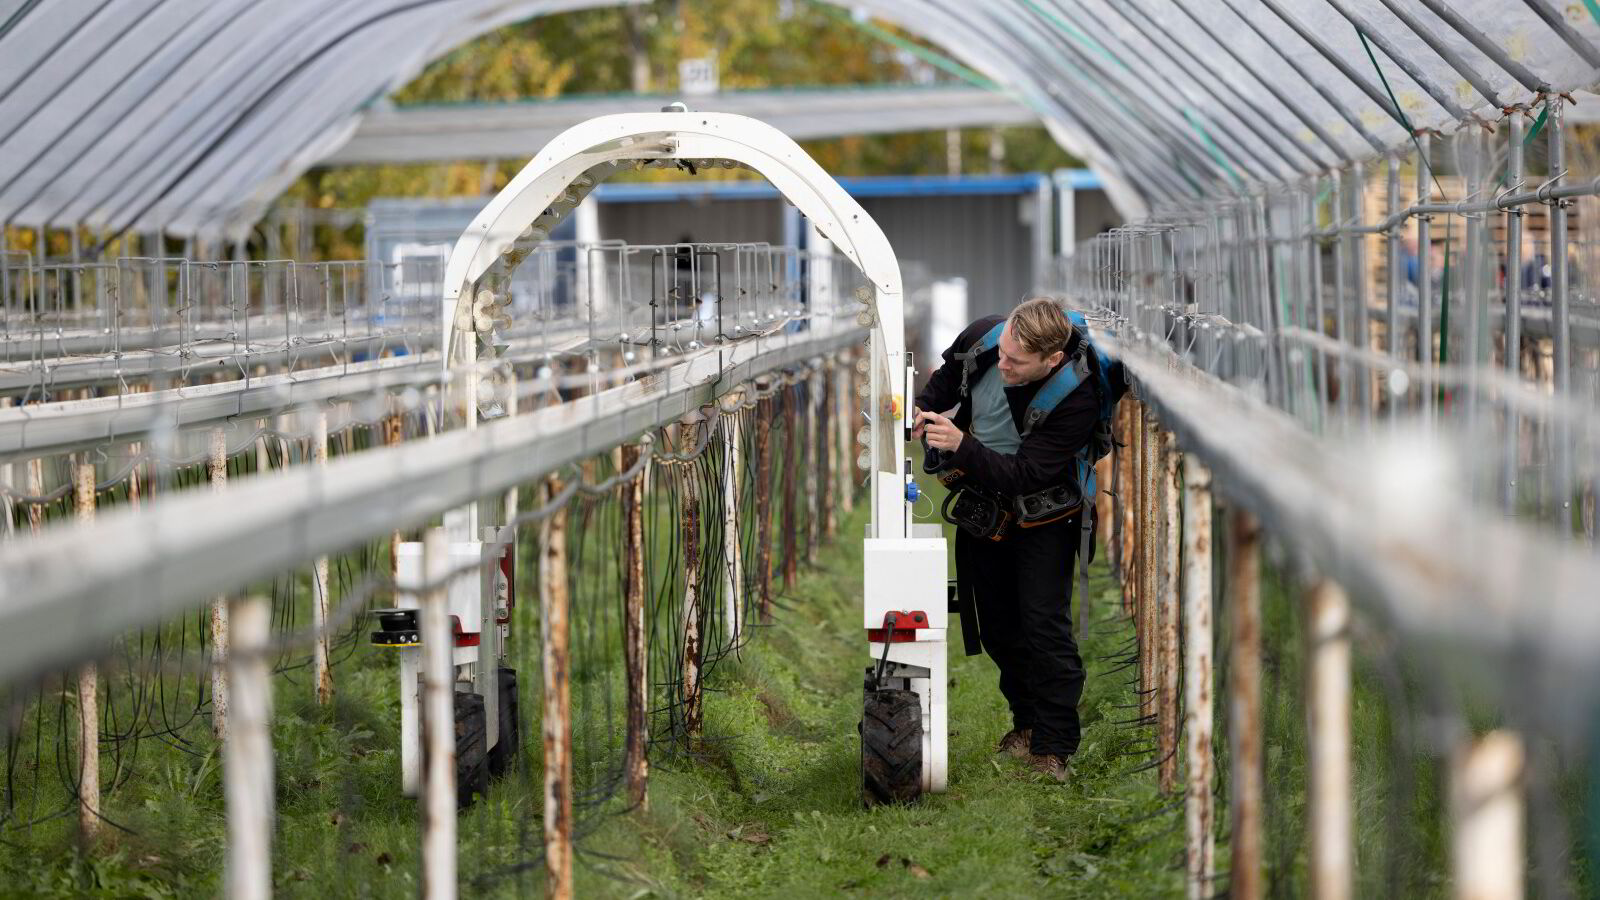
(828, 459)
(321, 669)
(35, 487)
(817, 468)
(1127, 502)
(1197, 675)
(1486, 807)
(1114, 489)
(689, 518)
(438, 723)
(1328, 761)
(791, 478)
(556, 722)
(1247, 786)
(733, 552)
(1170, 560)
(763, 488)
(1145, 600)
(637, 764)
(247, 752)
(218, 471)
(88, 697)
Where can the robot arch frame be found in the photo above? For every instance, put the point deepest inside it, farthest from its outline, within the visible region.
(558, 178)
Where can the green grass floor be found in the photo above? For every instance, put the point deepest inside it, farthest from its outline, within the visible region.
(767, 804)
(772, 808)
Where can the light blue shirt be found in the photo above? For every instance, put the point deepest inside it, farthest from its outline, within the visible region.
(992, 424)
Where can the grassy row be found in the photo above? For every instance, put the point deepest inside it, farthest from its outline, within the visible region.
(767, 804)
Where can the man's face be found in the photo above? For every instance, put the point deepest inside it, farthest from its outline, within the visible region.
(1019, 365)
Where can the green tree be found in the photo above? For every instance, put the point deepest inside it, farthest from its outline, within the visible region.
(637, 48)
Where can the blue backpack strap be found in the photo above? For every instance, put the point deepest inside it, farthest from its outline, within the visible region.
(969, 357)
(1061, 384)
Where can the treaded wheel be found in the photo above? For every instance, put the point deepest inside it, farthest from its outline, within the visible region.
(472, 759)
(891, 747)
(504, 753)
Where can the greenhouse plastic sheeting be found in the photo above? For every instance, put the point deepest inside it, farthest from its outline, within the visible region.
(190, 116)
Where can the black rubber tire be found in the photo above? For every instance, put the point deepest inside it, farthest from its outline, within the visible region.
(472, 758)
(891, 747)
(503, 755)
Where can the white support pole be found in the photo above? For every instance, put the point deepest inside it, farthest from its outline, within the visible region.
(438, 724)
(247, 754)
(88, 697)
(218, 467)
(322, 672)
(1328, 727)
(1198, 688)
(1487, 807)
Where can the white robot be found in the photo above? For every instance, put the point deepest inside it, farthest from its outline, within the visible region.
(905, 609)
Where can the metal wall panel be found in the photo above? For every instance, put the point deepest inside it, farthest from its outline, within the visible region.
(1093, 213)
(986, 239)
(711, 222)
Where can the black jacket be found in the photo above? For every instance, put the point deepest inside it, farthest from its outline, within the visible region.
(1045, 458)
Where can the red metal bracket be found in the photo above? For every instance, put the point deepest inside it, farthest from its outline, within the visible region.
(906, 623)
(464, 638)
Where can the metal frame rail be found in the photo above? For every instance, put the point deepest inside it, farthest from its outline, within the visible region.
(61, 605)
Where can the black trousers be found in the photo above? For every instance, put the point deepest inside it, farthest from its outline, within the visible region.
(1022, 589)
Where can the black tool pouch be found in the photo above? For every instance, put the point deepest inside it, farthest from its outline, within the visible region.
(939, 464)
(1049, 505)
(977, 512)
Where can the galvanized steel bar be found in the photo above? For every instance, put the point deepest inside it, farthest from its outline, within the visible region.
(1513, 312)
(198, 544)
(1560, 310)
(1198, 678)
(1487, 46)
(1553, 18)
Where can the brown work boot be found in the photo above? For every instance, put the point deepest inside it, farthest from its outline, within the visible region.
(1015, 743)
(1050, 766)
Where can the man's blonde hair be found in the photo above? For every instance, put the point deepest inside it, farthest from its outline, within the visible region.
(1040, 325)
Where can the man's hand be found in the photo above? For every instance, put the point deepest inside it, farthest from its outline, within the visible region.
(942, 434)
(916, 424)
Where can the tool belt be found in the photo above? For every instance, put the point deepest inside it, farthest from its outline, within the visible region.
(980, 513)
(985, 514)
(1049, 505)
